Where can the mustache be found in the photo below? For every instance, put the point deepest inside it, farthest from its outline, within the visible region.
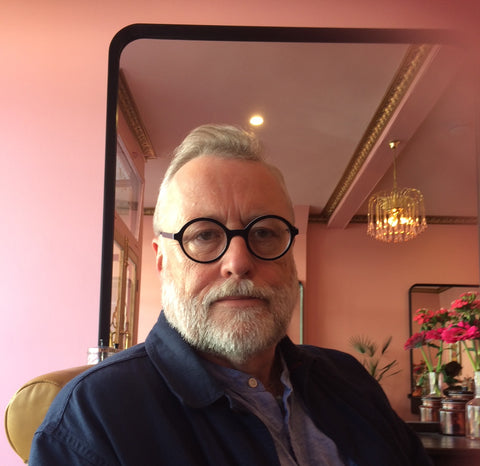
(236, 288)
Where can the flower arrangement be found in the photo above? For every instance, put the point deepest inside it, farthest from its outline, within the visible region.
(464, 326)
(430, 336)
(460, 323)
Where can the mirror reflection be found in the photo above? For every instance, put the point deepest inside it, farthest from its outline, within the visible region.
(435, 297)
(330, 104)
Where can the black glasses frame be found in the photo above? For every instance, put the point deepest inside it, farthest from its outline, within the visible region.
(244, 232)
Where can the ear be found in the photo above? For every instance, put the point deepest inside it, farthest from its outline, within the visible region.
(158, 254)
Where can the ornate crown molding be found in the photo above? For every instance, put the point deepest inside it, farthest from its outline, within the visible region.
(431, 220)
(410, 66)
(132, 116)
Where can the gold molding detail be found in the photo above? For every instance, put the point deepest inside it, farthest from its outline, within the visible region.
(431, 220)
(132, 116)
(451, 220)
(411, 64)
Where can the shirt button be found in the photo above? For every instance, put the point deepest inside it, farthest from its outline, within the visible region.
(252, 382)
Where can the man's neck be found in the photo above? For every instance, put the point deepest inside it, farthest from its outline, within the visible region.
(264, 366)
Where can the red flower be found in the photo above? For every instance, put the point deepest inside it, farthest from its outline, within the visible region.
(424, 316)
(419, 368)
(454, 314)
(468, 299)
(434, 334)
(460, 323)
(457, 304)
(460, 332)
(415, 341)
(428, 319)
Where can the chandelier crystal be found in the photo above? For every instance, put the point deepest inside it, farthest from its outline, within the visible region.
(398, 215)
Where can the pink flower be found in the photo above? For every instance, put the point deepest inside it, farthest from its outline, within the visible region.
(423, 316)
(434, 334)
(415, 341)
(441, 314)
(460, 323)
(428, 319)
(419, 369)
(457, 304)
(460, 332)
(469, 300)
(454, 314)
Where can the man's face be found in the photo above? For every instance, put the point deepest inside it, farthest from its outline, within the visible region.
(239, 305)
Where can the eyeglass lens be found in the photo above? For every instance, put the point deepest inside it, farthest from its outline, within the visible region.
(267, 238)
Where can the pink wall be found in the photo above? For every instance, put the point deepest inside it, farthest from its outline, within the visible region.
(52, 117)
(359, 286)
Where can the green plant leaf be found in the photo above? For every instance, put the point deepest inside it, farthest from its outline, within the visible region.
(368, 348)
(386, 344)
(363, 345)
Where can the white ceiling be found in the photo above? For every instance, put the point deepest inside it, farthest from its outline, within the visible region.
(318, 101)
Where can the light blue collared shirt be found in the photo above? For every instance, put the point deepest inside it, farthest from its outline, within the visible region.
(297, 440)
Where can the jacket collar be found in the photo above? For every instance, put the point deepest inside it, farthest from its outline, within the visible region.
(193, 385)
(168, 351)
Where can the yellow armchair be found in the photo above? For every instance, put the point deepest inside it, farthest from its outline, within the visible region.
(29, 405)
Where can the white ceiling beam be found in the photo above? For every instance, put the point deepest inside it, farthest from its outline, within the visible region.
(429, 84)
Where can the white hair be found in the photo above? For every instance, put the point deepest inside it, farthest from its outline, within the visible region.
(219, 140)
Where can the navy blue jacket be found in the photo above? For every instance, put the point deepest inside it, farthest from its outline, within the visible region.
(155, 404)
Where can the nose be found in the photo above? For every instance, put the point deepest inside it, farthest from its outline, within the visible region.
(237, 260)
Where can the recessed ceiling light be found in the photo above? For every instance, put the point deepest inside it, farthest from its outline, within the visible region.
(256, 120)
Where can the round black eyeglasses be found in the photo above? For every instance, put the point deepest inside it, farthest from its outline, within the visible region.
(206, 240)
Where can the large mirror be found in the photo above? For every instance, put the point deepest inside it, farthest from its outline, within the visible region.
(331, 99)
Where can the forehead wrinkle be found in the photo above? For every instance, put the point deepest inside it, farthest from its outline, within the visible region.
(218, 188)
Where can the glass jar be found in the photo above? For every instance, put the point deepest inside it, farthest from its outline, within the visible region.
(472, 411)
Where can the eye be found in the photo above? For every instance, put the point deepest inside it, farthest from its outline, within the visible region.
(263, 234)
(206, 236)
(203, 234)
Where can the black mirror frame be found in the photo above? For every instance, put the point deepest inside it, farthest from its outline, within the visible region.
(216, 33)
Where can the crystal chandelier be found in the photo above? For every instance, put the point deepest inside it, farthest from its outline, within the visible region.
(398, 215)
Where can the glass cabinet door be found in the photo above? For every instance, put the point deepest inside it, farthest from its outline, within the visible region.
(126, 252)
(128, 191)
(123, 320)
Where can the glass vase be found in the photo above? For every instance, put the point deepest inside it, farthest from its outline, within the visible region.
(432, 401)
(472, 412)
(435, 384)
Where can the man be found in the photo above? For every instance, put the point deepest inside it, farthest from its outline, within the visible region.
(217, 382)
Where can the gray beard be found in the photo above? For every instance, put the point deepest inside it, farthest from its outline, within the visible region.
(235, 335)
